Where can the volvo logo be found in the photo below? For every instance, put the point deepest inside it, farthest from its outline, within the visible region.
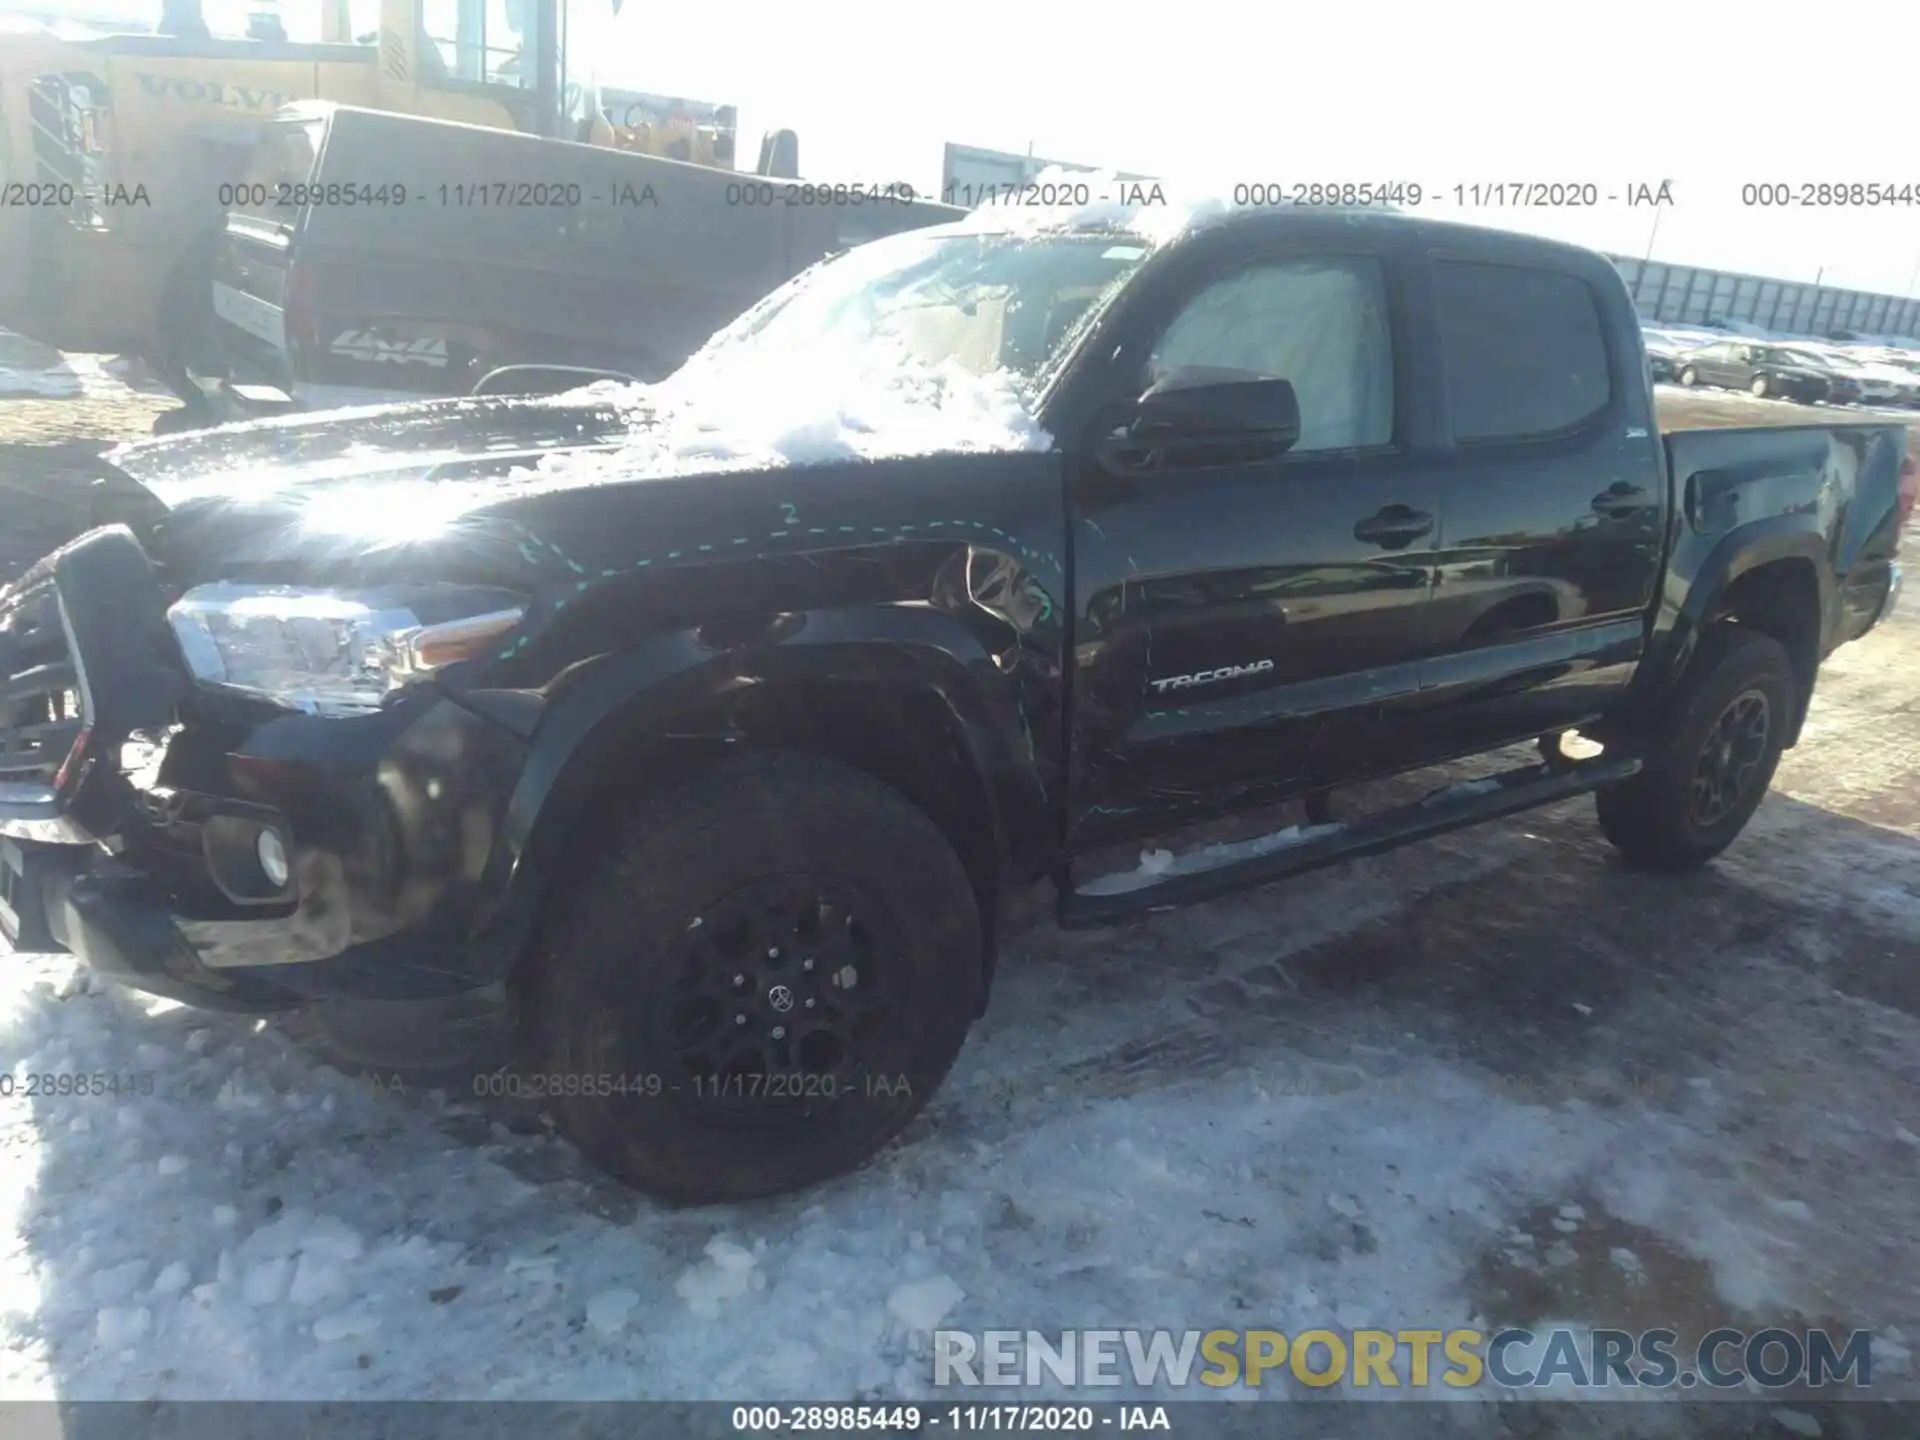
(781, 998)
(212, 92)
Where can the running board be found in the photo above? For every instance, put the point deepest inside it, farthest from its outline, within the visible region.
(1294, 851)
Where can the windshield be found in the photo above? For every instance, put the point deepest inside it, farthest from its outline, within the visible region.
(1807, 358)
(984, 302)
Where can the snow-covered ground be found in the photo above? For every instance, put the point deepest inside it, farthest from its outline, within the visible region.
(31, 370)
(1491, 1079)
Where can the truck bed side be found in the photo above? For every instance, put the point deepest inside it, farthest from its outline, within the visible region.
(1796, 526)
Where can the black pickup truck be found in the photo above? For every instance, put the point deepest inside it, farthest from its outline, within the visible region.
(569, 258)
(709, 750)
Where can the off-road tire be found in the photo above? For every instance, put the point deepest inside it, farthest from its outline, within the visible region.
(1653, 819)
(615, 967)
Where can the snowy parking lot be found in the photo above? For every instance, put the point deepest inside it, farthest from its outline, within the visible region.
(1492, 1079)
(1495, 1078)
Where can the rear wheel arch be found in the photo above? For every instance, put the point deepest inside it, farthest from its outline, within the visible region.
(1781, 598)
(1774, 576)
(1710, 757)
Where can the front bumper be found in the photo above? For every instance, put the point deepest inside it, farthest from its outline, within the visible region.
(141, 855)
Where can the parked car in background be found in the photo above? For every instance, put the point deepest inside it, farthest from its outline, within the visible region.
(1879, 383)
(1900, 369)
(1765, 370)
(1664, 352)
(1842, 387)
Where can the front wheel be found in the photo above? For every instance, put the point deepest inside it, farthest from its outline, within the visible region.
(1710, 765)
(1760, 387)
(760, 985)
(1689, 377)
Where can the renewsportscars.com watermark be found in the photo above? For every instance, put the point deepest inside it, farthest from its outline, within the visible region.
(1517, 1359)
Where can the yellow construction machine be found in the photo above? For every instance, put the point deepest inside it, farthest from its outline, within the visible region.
(114, 147)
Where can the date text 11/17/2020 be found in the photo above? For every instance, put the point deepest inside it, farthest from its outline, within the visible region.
(909, 1419)
(735, 1086)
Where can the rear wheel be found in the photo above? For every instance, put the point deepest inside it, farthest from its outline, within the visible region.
(760, 985)
(1761, 387)
(1709, 767)
(1689, 376)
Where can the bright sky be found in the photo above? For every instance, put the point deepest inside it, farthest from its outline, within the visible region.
(1709, 95)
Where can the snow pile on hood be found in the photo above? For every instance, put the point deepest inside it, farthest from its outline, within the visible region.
(751, 407)
(747, 407)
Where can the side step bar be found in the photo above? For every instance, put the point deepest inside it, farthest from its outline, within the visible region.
(1287, 853)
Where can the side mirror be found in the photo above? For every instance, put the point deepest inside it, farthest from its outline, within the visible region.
(1207, 416)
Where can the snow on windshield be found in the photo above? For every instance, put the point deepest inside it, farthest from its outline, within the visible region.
(919, 344)
(768, 408)
(869, 403)
(985, 301)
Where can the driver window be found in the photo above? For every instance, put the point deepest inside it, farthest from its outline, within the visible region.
(1320, 323)
(486, 42)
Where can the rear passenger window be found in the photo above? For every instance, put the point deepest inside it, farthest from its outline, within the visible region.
(1522, 348)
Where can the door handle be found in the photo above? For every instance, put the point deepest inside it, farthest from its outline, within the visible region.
(1394, 528)
(1620, 500)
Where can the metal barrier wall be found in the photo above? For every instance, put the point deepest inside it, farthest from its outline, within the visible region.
(1686, 294)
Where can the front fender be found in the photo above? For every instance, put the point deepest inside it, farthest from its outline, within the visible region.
(677, 688)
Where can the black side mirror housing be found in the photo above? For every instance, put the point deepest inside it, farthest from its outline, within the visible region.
(1208, 416)
(1218, 404)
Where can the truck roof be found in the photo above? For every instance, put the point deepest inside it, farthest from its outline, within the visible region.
(1182, 219)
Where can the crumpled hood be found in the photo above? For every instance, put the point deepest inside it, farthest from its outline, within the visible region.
(460, 439)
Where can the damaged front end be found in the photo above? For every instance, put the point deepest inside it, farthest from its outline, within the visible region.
(243, 796)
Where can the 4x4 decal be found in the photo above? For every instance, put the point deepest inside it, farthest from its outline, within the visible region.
(365, 345)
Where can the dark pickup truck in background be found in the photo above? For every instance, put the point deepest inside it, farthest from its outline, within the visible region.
(715, 778)
(372, 256)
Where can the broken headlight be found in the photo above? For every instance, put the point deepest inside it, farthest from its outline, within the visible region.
(336, 652)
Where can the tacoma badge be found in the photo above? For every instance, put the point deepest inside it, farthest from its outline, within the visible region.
(1208, 677)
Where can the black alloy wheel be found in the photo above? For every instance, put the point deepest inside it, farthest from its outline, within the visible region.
(1734, 751)
(787, 980)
